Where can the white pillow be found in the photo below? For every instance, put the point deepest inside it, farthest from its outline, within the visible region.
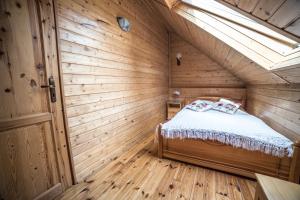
(200, 105)
(227, 106)
(227, 101)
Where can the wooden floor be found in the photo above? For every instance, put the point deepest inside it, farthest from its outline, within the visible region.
(139, 174)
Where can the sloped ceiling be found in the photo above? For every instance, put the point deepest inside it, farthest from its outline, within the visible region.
(283, 14)
(241, 66)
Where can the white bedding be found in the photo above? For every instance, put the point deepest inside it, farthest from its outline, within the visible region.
(239, 130)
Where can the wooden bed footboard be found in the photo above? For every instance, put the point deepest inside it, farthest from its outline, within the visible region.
(160, 142)
(294, 175)
(215, 155)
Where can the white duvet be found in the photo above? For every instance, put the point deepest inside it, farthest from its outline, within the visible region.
(239, 130)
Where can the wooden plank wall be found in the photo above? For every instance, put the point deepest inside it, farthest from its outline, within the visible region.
(283, 14)
(231, 59)
(115, 82)
(197, 69)
(234, 93)
(290, 74)
(198, 75)
(278, 106)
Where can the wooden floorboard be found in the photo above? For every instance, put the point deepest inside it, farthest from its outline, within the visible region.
(139, 174)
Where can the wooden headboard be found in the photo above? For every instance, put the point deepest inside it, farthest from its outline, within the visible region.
(215, 99)
(188, 94)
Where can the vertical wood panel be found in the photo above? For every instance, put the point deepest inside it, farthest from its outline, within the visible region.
(115, 82)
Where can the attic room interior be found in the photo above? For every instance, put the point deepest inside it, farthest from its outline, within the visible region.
(150, 99)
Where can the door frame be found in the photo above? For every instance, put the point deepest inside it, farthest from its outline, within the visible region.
(49, 35)
(62, 94)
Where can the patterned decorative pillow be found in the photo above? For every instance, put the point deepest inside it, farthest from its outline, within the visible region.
(226, 106)
(200, 105)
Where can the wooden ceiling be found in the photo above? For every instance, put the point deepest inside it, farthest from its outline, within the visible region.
(283, 14)
(238, 64)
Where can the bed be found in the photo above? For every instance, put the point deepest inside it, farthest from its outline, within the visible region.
(241, 143)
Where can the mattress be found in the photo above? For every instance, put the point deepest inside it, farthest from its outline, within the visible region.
(240, 130)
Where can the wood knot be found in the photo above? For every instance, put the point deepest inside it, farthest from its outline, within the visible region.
(7, 90)
(39, 66)
(7, 13)
(33, 83)
(161, 194)
(18, 5)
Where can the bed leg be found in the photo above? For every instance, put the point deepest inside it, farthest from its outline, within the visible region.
(294, 175)
(160, 142)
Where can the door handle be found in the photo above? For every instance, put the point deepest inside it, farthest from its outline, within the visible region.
(51, 87)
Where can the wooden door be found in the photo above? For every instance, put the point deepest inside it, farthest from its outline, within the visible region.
(34, 160)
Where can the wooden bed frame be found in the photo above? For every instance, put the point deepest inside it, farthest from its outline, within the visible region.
(215, 155)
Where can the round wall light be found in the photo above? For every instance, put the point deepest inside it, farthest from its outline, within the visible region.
(124, 23)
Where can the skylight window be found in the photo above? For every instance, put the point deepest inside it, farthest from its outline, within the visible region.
(266, 47)
(249, 27)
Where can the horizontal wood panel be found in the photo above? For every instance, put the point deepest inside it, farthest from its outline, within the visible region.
(26, 120)
(98, 97)
(111, 153)
(110, 125)
(196, 69)
(278, 106)
(198, 75)
(115, 82)
(114, 100)
(188, 93)
(292, 74)
(234, 61)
